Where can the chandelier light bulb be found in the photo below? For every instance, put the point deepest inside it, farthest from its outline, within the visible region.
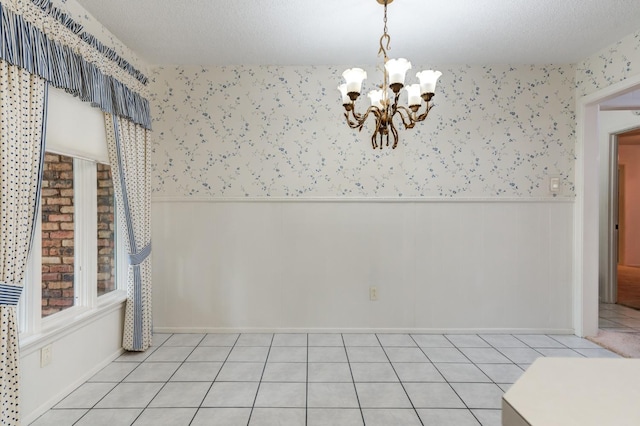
(428, 80)
(397, 71)
(375, 96)
(354, 78)
(346, 100)
(413, 95)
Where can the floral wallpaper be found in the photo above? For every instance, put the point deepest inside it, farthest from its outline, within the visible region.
(259, 131)
(609, 66)
(266, 131)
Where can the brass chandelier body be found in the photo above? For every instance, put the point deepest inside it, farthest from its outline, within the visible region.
(382, 108)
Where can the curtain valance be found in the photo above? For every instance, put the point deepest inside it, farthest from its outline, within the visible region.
(85, 68)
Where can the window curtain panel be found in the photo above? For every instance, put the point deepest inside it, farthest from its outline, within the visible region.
(128, 154)
(45, 41)
(22, 121)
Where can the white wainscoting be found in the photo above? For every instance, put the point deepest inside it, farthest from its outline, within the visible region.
(439, 265)
(78, 352)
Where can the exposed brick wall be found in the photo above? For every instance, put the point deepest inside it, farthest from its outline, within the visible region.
(57, 234)
(106, 230)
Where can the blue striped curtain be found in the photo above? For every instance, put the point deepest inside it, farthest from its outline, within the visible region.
(22, 133)
(25, 45)
(128, 145)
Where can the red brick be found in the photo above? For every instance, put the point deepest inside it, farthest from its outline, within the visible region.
(60, 166)
(65, 303)
(50, 277)
(57, 285)
(61, 218)
(65, 175)
(63, 201)
(61, 268)
(48, 226)
(45, 193)
(61, 235)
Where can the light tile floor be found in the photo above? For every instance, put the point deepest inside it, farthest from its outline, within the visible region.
(313, 379)
(619, 318)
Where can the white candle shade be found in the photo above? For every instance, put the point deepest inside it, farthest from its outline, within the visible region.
(375, 96)
(354, 78)
(428, 80)
(397, 70)
(345, 96)
(413, 93)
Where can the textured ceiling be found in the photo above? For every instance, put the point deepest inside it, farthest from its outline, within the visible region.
(346, 32)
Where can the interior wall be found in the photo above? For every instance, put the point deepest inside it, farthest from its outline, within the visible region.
(437, 266)
(629, 156)
(77, 355)
(495, 131)
(269, 212)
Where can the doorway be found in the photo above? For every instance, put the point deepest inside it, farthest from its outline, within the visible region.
(625, 191)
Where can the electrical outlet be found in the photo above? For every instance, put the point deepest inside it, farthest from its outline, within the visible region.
(45, 356)
(373, 293)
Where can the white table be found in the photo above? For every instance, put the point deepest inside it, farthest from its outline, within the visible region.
(575, 391)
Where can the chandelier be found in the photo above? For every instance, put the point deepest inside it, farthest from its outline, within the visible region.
(382, 107)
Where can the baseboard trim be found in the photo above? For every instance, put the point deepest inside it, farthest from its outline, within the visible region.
(178, 330)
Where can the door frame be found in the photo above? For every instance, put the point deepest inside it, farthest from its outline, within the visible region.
(586, 226)
(610, 288)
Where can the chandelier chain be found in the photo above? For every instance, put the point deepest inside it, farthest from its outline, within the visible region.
(385, 36)
(385, 17)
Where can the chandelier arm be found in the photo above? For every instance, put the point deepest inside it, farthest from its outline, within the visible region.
(350, 123)
(422, 116)
(407, 116)
(376, 131)
(394, 132)
(359, 119)
(371, 110)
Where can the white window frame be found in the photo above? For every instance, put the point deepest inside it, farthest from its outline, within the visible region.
(35, 330)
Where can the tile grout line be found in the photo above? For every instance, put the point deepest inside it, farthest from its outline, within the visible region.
(306, 399)
(353, 380)
(172, 374)
(453, 389)
(121, 382)
(261, 376)
(214, 379)
(398, 377)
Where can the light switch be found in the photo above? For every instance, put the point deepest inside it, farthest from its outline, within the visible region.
(554, 185)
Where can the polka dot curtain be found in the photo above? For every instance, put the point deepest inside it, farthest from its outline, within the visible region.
(22, 109)
(128, 154)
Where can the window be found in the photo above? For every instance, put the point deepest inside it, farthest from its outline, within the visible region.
(75, 253)
(106, 230)
(73, 269)
(58, 234)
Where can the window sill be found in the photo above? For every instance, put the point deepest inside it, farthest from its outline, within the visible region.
(64, 323)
